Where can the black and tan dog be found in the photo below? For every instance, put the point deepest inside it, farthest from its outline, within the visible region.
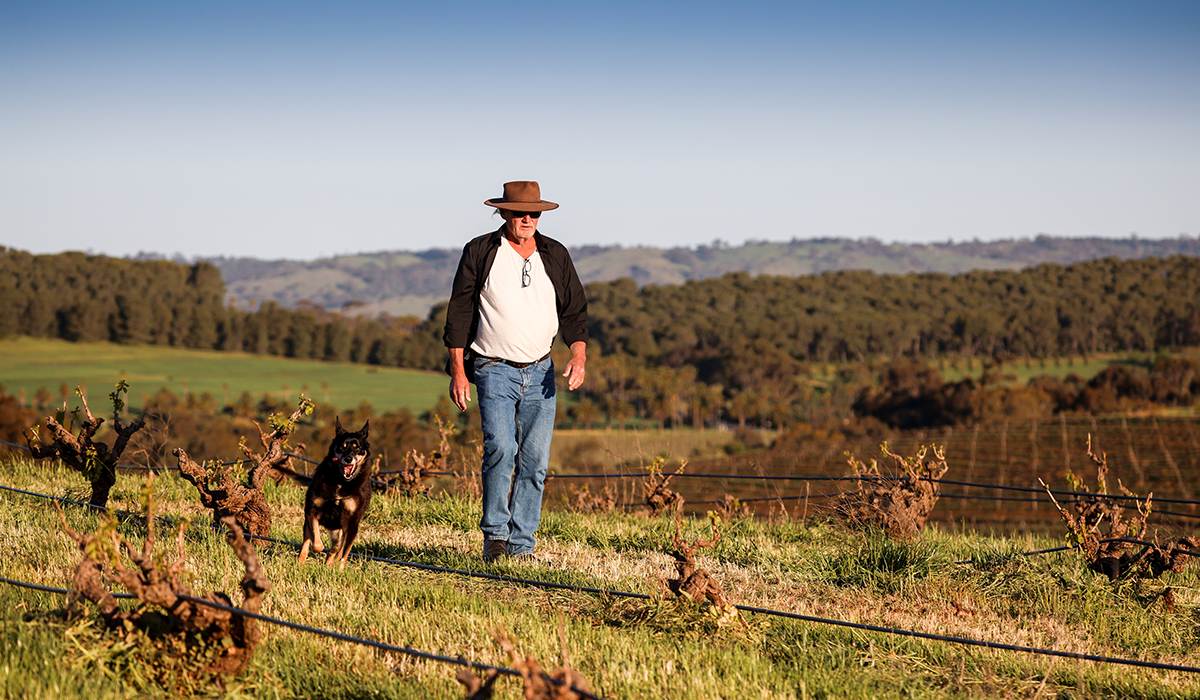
(339, 492)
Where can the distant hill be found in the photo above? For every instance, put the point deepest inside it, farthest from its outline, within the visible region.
(403, 283)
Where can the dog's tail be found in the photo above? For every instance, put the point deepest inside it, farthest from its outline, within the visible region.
(279, 473)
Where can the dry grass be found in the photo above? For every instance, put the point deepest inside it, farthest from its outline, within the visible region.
(625, 648)
(576, 451)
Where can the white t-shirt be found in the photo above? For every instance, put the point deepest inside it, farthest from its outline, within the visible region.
(518, 312)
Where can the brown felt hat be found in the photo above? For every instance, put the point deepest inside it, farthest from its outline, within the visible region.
(521, 196)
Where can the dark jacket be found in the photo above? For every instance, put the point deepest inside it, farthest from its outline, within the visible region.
(462, 316)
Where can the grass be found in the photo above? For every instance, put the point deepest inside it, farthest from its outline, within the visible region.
(626, 648)
(601, 450)
(1021, 370)
(1059, 367)
(30, 363)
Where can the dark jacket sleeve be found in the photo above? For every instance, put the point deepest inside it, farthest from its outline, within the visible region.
(573, 317)
(572, 304)
(460, 314)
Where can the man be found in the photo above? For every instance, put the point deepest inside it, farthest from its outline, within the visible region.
(515, 289)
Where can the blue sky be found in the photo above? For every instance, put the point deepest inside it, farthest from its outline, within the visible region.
(307, 129)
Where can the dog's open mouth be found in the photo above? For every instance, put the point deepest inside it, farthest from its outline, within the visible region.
(350, 465)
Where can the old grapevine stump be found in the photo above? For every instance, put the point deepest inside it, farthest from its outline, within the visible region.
(158, 584)
(694, 582)
(900, 504)
(1097, 525)
(660, 498)
(222, 487)
(82, 453)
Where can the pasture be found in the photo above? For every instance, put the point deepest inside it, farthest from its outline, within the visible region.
(956, 584)
(1023, 369)
(30, 363)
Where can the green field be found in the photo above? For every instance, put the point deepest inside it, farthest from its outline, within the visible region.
(29, 363)
(1060, 367)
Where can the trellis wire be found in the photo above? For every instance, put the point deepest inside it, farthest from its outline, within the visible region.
(766, 477)
(427, 656)
(744, 608)
(1024, 489)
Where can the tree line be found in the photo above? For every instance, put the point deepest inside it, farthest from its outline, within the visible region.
(785, 350)
(736, 347)
(80, 297)
(1099, 306)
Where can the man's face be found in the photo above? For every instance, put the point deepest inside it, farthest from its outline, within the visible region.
(521, 224)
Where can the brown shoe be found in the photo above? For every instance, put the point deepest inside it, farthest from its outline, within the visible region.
(494, 549)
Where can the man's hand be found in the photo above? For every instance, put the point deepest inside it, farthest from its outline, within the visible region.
(460, 388)
(575, 368)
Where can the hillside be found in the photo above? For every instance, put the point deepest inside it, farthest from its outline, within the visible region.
(42, 369)
(403, 283)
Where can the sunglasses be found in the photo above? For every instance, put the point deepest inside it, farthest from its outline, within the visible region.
(523, 214)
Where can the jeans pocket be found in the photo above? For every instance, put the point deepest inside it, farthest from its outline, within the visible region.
(549, 389)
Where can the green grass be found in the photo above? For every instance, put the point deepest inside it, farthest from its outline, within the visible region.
(30, 363)
(625, 648)
(1021, 371)
(1059, 367)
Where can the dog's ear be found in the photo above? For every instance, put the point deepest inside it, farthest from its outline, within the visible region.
(366, 429)
(337, 426)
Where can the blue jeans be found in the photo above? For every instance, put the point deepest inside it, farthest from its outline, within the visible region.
(516, 410)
